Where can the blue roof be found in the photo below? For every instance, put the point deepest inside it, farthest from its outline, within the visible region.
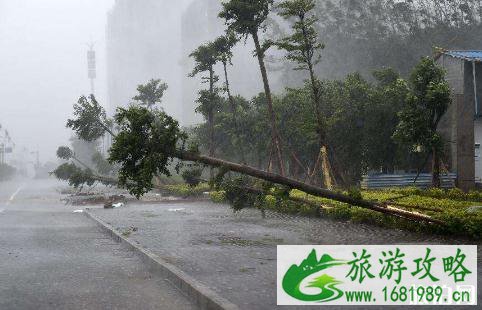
(466, 55)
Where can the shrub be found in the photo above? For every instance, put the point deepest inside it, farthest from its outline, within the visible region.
(217, 196)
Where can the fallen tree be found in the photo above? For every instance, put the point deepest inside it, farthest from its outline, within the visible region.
(149, 140)
(307, 188)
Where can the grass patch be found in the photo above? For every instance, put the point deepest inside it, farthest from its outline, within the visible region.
(451, 207)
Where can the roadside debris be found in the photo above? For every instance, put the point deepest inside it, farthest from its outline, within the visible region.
(115, 201)
(127, 232)
(176, 210)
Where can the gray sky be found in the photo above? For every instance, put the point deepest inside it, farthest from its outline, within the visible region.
(43, 66)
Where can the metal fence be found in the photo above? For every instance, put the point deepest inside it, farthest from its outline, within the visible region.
(379, 181)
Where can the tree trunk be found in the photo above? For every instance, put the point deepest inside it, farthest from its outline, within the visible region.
(233, 111)
(326, 169)
(307, 188)
(211, 120)
(325, 163)
(272, 118)
(436, 181)
(211, 113)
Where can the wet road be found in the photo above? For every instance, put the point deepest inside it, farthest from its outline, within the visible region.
(235, 253)
(51, 258)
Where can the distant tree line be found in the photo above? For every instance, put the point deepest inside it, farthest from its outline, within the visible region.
(371, 34)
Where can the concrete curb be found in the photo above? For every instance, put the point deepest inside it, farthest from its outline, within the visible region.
(200, 294)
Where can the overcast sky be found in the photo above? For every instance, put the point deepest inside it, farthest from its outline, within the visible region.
(43, 71)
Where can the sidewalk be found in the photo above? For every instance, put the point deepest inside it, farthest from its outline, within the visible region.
(235, 254)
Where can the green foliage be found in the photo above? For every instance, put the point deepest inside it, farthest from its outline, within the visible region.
(237, 193)
(426, 104)
(102, 165)
(355, 193)
(205, 57)
(217, 196)
(209, 101)
(65, 153)
(74, 175)
(192, 176)
(245, 17)
(144, 147)
(223, 46)
(185, 190)
(151, 93)
(83, 150)
(359, 117)
(90, 120)
(303, 45)
(454, 213)
(363, 35)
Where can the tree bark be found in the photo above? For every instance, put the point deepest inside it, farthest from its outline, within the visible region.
(233, 110)
(272, 118)
(327, 176)
(211, 113)
(307, 188)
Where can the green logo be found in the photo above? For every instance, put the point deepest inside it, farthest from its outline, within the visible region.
(309, 266)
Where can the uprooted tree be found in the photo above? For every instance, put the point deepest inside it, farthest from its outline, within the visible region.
(149, 141)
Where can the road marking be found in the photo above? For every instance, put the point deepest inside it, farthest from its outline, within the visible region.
(10, 200)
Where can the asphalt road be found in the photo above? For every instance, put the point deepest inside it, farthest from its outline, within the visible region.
(52, 258)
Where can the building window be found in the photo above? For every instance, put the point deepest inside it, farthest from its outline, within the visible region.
(477, 150)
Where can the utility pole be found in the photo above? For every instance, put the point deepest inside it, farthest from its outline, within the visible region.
(92, 74)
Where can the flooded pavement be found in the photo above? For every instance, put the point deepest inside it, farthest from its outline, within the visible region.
(235, 253)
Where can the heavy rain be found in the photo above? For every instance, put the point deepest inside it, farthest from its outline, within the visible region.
(240, 154)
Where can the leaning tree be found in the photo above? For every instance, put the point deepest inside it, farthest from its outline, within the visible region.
(149, 141)
(247, 18)
(303, 47)
(151, 93)
(205, 58)
(223, 46)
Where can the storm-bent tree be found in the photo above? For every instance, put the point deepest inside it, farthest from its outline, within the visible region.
(205, 57)
(144, 147)
(303, 47)
(148, 141)
(90, 120)
(246, 18)
(223, 46)
(150, 93)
